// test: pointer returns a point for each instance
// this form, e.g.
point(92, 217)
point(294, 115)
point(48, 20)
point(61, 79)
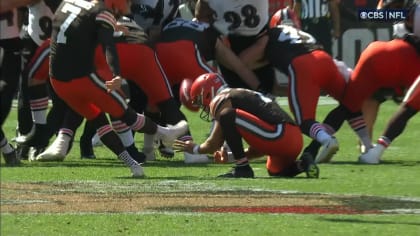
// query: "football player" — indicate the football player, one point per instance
point(34, 33)
point(405, 53)
point(139, 65)
point(151, 16)
point(370, 107)
point(240, 22)
point(242, 114)
point(10, 63)
point(37, 72)
point(78, 28)
point(310, 69)
point(196, 43)
point(369, 76)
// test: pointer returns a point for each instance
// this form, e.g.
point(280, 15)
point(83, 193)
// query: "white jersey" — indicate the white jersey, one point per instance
point(39, 22)
point(9, 27)
point(149, 13)
point(240, 17)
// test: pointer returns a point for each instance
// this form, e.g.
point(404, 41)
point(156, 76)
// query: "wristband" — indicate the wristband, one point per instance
point(195, 149)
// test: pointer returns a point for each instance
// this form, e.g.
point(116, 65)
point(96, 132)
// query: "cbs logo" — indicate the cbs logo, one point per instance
point(363, 15)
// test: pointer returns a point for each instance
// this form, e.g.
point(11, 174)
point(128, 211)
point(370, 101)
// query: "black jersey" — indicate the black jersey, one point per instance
point(136, 34)
point(78, 27)
point(202, 34)
point(285, 43)
point(263, 106)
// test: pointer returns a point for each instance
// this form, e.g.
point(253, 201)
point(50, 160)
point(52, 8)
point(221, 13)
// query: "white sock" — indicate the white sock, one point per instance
point(124, 132)
point(126, 137)
point(322, 136)
point(39, 110)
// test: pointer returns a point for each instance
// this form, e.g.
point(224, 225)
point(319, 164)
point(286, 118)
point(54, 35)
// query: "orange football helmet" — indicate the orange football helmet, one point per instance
point(205, 88)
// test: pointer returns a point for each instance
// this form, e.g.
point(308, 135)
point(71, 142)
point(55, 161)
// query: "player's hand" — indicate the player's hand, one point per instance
point(183, 146)
point(114, 84)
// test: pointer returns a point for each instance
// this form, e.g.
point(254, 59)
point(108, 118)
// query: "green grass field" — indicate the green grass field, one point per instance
point(98, 197)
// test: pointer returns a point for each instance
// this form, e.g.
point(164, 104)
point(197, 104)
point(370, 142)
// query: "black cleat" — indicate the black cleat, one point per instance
point(309, 166)
point(166, 152)
point(135, 154)
point(11, 159)
point(239, 172)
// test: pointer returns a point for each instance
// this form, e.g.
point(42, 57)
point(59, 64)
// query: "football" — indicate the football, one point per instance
point(184, 95)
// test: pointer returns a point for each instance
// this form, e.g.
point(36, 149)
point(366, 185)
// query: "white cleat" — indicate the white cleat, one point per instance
point(372, 156)
point(195, 158)
point(57, 151)
point(137, 171)
point(327, 151)
point(172, 132)
point(34, 152)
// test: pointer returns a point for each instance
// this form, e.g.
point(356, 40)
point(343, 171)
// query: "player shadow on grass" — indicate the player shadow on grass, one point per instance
point(359, 221)
point(174, 164)
point(102, 162)
point(385, 162)
point(213, 178)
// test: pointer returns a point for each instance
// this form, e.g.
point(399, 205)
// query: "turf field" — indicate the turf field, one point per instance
point(98, 197)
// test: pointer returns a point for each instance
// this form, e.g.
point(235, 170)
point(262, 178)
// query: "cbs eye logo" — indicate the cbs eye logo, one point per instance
point(363, 15)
